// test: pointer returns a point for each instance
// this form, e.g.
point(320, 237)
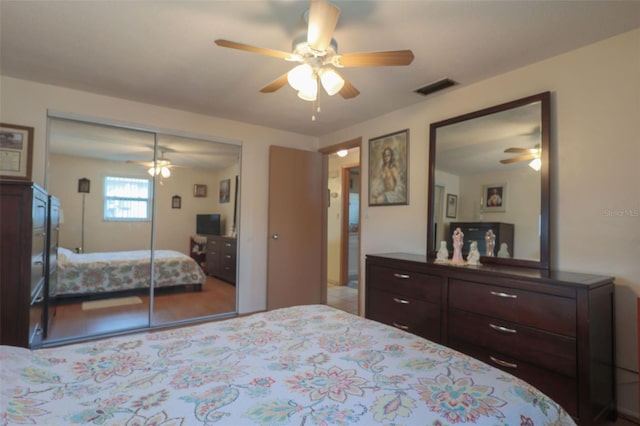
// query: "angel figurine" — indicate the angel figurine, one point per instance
point(474, 254)
point(458, 242)
point(504, 250)
point(490, 242)
point(443, 252)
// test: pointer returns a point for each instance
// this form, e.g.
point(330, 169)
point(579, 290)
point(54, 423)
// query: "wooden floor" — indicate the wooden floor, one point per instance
point(71, 321)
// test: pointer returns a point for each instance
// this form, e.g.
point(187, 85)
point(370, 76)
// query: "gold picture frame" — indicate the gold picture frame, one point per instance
point(389, 169)
point(16, 151)
point(199, 190)
point(494, 198)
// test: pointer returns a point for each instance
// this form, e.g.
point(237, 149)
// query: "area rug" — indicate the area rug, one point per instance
point(110, 303)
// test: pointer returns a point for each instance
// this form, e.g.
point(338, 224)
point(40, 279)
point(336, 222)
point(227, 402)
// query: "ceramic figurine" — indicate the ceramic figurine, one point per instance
point(458, 242)
point(474, 254)
point(504, 250)
point(490, 242)
point(443, 253)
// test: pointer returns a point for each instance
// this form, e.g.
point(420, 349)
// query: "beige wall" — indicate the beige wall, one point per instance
point(596, 179)
point(26, 103)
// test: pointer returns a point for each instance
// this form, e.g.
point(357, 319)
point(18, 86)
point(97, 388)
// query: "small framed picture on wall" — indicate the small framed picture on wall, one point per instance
point(225, 190)
point(494, 198)
point(452, 205)
point(199, 190)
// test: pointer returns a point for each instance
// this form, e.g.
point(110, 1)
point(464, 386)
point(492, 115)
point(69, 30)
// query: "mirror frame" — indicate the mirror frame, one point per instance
point(545, 132)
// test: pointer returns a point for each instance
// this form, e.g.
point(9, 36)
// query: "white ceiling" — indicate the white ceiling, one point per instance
point(162, 52)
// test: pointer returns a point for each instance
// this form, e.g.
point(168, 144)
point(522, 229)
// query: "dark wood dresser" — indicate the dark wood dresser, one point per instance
point(553, 329)
point(221, 257)
point(51, 261)
point(23, 254)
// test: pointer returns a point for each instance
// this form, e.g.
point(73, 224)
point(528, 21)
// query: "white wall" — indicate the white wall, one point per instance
point(26, 103)
point(595, 207)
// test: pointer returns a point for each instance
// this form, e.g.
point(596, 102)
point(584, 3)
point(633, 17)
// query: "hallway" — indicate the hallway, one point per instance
point(343, 297)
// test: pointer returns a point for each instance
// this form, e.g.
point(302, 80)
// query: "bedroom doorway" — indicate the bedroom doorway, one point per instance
point(343, 226)
point(134, 222)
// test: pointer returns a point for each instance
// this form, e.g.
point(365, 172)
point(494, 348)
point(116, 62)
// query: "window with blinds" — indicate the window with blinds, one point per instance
point(127, 199)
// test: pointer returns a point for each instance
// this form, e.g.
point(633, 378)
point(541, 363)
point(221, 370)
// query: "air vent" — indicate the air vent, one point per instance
point(435, 86)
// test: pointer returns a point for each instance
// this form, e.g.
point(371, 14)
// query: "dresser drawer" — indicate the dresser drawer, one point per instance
point(406, 283)
point(551, 313)
point(560, 388)
point(551, 351)
point(406, 313)
point(36, 319)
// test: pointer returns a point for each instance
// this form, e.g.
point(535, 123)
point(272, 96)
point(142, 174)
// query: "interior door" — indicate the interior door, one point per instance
point(296, 258)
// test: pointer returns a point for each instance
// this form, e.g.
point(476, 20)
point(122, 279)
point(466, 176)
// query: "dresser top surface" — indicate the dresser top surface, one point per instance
point(555, 276)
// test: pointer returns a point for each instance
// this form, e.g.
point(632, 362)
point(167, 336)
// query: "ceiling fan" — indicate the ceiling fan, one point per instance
point(526, 154)
point(161, 166)
point(317, 52)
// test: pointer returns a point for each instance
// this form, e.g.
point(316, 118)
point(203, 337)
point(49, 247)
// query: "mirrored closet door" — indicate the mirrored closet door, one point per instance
point(139, 207)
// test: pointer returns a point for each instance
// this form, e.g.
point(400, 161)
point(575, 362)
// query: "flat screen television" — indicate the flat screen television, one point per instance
point(208, 224)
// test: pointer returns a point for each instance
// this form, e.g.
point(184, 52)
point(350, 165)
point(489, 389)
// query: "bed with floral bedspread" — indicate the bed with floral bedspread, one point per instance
point(305, 365)
point(109, 272)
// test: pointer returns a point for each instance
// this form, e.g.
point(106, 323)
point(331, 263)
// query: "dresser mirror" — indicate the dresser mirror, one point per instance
point(489, 170)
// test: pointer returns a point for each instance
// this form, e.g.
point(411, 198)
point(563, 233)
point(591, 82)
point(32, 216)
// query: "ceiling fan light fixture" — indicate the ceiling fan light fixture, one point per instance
point(310, 91)
point(331, 80)
point(300, 76)
point(160, 170)
point(536, 164)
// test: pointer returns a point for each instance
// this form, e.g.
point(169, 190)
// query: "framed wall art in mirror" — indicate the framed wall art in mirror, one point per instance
point(199, 190)
point(497, 161)
point(452, 205)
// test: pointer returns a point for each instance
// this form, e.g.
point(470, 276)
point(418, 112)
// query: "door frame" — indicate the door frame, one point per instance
point(352, 143)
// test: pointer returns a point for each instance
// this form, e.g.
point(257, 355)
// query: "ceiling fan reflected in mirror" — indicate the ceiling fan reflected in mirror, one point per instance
point(317, 53)
point(160, 167)
point(526, 154)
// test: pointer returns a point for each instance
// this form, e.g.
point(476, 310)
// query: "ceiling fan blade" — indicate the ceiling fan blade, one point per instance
point(520, 158)
point(376, 59)
point(323, 18)
point(521, 150)
point(348, 91)
point(261, 50)
point(275, 84)
point(141, 163)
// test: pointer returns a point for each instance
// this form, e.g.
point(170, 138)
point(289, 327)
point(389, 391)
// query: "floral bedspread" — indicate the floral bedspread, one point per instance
point(305, 365)
point(90, 273)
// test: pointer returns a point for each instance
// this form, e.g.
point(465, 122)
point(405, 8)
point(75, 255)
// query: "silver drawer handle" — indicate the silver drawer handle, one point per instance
point(400, 326)
point(503, 329)
point(503, 363)
point(401, 301)
point(505, 295)
point(38, 300)
point(402, 276)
